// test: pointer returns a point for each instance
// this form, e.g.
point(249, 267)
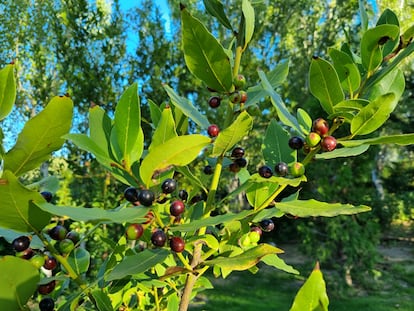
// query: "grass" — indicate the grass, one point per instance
point(270, 289)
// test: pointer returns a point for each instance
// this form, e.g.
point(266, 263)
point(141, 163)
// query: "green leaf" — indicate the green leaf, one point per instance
point(258, 193)
point(274, 145)
point(342, 152)
point(40, 136)
point(274, 261)
point(155, 112)
point(245, 260)
point(305, 121)
point(103, 302)
point(7, 90)
point(374, 115)
point(127, 121)
point(204, 55)
point(371, 44)
point(346, 69)
point(230, 136)
point(363, 15)
point(248, 14)
point(324, 84)
point(16, 211)
point(178, 151)
point(282, 111)
point(267, 214)
point(402, 140)
point(100, 126)
point(138, 263)
point(18, 282)
point(216, 9)
point(312, 295)
point(389, 17)
point(187, 108)
point(312, 208)
point(79, 259)
point(165, 129)
point(352, 105)
point(130, 214)
point(393, 82)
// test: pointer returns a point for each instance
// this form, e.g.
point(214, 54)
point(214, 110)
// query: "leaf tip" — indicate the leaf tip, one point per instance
point(317, 266)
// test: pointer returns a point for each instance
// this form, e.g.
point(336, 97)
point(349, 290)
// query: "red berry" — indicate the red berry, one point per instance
point(320, 126)
point(158, 238)
point(177, 244)
point(214, 101)
point(328, 143)
point(213, 130)
point(45, 289)
point(134, 231)
point(50, 263)
point(177, 208)
point(243, 97)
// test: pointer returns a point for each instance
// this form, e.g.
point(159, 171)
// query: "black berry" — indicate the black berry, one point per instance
point(267, 225)
point(21, 243)
point(208, 170)
point(265, 171)
point(131, 194)
point(177, 244)
point(146, 197)
point(58, 233)
point(177, 208)
point(234, 167)
point(296, 142)
point(237, 152)
point(158, 238)
point(214, 101)
point(168, 186)
point(74, 236)
point(241, 162)
point(281, 169)
point(46, 304)
point(50, 263)
point(47, 196)
point(183, 194)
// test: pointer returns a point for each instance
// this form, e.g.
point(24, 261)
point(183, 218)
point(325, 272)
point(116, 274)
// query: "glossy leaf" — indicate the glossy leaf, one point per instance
point(373, 116)
point(371, 44)
point(40, 136)
point(402, 140)
point(394, 82)
point(18, 282)
point(204, 55)
point(79, 259)
point(100, 129)
point(187, 108)
point(258, 193)
point(103, 302)
point(267, 214)
point(138, 263)
point(363, 15)
point(230, 136)
point(351, 105)
point(275, 261)
point(248, 14)
point(305, 121)
point(282, 112)
point(16, 211)
point(275, 147)
point(389, 17)
point(342, 152)
point(245, 260)
point(95, 214)
point(312, 295)
point(7, 90)
point(312, 208)
point(155, 112)
point(216, 9)
point(346, 69)
point(178, 151)
point(127, 121)
point(324, 84)
point(165, 129)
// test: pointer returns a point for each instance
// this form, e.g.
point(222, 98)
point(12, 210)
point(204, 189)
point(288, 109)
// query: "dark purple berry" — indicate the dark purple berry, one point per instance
point(47, 196)
point(21, 243)
point(241, 162)
point(46, 304)
point(168, 186)
point(58, 233)
point(237, 153)
point(146, 197)
point(131, 194)
point(213, 130)
point(234, 167)
point(265, 171)
point(45, 289)
point(177, 244)
point(281, 169)
point(183, 194)
point(26, 254)
point(158, 238)
point(214, 101)
point(267, 225)
point(74, 236)
point(296, 142)
point(177, 208)
point(50, 263)
point(208, 170)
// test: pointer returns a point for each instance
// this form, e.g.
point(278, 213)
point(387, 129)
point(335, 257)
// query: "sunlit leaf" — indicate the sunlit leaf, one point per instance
point(103, 302)
point(248, 14)
point(165, 129)
point(346, 69)
point(342, 152)
point(275, 261)
point(402, 140)
point(7, 90)
point(100, 129)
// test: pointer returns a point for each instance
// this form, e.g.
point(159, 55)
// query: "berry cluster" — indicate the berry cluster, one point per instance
point(239, 161)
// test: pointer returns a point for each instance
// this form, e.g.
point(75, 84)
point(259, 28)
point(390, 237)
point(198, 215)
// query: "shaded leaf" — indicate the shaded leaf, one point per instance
point(305, 121)
point(393, 82)
point(79, 259)
point(216, 9)
point(7, 90)
point(103, 302)
point(100, 129)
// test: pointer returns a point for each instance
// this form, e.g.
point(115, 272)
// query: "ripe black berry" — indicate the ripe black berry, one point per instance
point(281, 169)
point(158, 238)
point(177, 244)
point(214, 101)
point(296, 142)
point(50, 263)
point(47, 196)
point(131, 194)
point(168, 186)
point(26, 254)
point(45, 289)
point(208, 170)
point(267, 225)
point(213, 130)
point(177, 208)
point(58, 233)
point(146, 197)
point(265, 171)
point(47, 304)
point(74, 236)
point(183, 194)
point(241, 162)
point(237, 152)
point(21, 243)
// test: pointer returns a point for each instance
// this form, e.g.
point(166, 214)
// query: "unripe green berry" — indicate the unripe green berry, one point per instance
point(239, 82)
point(297, 169)
point(313, 139)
